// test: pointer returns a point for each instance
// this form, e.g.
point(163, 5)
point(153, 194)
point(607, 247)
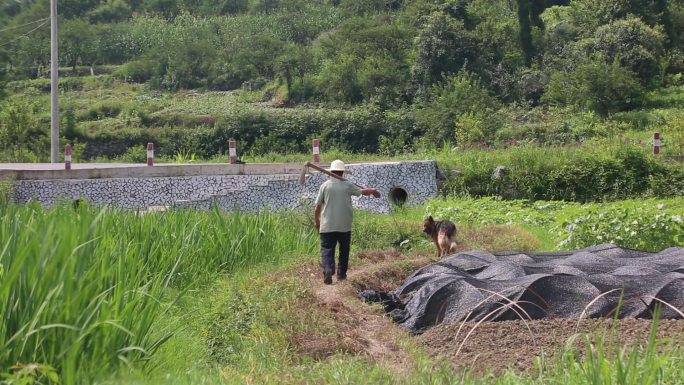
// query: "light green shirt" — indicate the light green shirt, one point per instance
point(334, 196)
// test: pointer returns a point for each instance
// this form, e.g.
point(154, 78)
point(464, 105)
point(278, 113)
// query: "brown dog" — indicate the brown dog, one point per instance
point(443, 233)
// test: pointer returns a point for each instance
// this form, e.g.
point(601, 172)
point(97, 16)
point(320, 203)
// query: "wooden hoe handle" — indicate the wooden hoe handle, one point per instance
point(326, 172)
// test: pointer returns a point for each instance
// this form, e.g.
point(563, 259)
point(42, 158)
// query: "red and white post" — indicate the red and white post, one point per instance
point(316, 151)
point(656, 143)
point(150, 154)
point(67, 157)
point(232, 151)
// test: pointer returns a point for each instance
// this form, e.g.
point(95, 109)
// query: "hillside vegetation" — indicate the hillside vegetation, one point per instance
point(366, 76)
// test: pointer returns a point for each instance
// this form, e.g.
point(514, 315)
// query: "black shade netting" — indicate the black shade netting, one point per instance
point(600, 281)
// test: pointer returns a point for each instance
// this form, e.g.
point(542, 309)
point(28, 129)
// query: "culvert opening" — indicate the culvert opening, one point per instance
point(398, 197)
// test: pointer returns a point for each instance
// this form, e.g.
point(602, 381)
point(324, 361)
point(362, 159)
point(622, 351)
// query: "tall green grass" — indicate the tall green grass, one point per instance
point(604, 363)
point(85, 289)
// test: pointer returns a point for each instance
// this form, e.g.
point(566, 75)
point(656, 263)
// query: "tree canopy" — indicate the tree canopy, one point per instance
point(600, 56)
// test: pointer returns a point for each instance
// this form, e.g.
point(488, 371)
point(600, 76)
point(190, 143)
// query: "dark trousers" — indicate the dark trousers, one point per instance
point(328, 243)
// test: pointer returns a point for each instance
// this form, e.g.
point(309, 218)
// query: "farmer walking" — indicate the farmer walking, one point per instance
point(333, 217)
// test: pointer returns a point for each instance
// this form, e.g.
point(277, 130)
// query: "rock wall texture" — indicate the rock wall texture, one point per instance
point(415, 181)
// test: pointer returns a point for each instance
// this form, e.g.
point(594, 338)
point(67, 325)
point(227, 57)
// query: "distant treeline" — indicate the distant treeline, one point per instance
point(453, 62)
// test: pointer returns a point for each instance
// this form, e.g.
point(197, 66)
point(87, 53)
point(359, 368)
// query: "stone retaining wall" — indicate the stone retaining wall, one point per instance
point(415, 181)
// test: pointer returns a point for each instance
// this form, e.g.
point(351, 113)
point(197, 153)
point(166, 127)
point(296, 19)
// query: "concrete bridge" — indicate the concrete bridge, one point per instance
point(248, 187)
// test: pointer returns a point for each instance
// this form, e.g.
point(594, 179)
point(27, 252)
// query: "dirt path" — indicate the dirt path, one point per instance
point(365, 327)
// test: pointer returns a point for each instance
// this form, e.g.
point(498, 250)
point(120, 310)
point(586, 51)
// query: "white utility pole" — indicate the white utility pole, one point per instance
point(54, 85)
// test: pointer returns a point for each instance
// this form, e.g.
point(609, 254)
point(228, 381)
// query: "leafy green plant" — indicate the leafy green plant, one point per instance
point(102, 110)
point(633, 44)
point(650, 224)
point(459, 98)
point(184, 157)
point(138, 71)
point(30, 374)
point(137, 154)
point(597, 86)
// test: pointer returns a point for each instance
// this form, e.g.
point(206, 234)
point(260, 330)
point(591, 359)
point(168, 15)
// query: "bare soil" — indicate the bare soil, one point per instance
point(485, 348)
point(493, 347)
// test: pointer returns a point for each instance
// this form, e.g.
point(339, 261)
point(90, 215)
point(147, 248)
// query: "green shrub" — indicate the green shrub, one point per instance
point(548, 126)
point(23, 135)
point(135, 154)
point(71, 83)
point(355, 130)
point(583, 180)
point(17, 155)
point(668, 182)
point(301, 91)
point(581, 175)
point(639, 120)
point(172, 141)
point(68, 125)
point(477, 127)
point(177, 119)
point(633, 44)
point(113, 143)
point(460, 98)
point(137, 71)
point(101, 110)
point(622, 175)
point(672, 133)
point(598, 86)
point(40, 84)
point(98, 82)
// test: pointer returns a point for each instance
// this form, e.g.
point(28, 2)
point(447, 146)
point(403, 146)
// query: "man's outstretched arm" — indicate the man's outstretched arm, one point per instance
point(371, 191)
